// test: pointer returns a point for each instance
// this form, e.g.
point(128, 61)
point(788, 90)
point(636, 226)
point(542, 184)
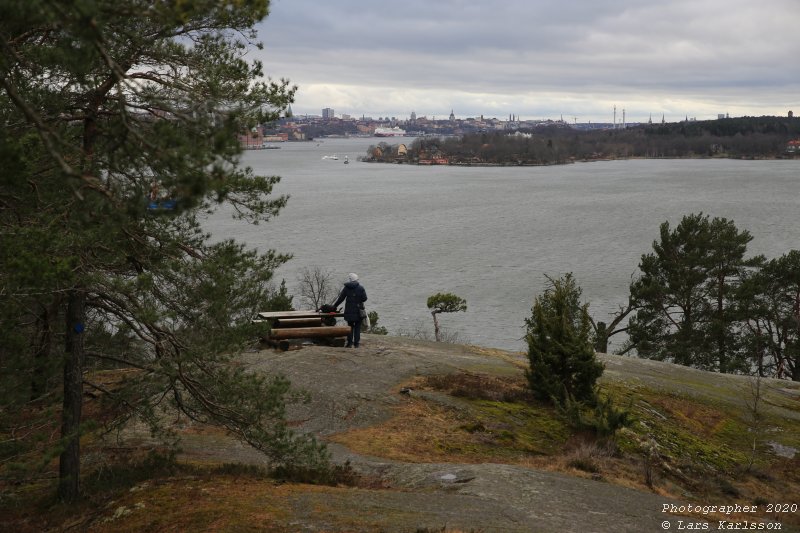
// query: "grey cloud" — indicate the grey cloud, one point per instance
point(705, 49)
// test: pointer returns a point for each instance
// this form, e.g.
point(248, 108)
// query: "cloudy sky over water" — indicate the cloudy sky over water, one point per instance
point(537, 59)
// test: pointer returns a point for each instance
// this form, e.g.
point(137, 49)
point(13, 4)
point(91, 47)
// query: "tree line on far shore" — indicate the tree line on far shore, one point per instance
point(747, 137)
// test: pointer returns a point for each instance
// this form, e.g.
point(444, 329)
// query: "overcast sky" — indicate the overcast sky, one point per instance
point(537, 59)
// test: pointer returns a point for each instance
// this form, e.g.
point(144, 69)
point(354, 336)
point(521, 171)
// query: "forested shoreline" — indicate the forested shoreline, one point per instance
point(739, 138)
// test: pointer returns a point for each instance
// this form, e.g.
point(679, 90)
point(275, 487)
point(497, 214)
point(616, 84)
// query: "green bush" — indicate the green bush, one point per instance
point(374, 328)
point(563, 368)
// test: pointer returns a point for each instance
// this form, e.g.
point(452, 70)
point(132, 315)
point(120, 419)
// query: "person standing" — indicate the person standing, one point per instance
point(353, 295)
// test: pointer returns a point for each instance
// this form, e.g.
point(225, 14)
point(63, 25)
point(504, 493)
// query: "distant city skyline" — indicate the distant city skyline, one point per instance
point(537, 59)
point(329, 113)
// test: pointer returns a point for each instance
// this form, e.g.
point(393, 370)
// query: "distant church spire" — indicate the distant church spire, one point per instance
point(452, 115)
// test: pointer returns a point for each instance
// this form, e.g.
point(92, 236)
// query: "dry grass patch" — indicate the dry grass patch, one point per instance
point(517, 359)
point(480, 386)
point(419, 432)
point(490, 421)
point(168, 496)
point(235, 504)
point(219, 503)
point(698, 417)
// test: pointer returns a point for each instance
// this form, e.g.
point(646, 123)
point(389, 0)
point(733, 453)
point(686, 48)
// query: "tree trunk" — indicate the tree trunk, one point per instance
point(69, 461)
point(601, 341)
point(69, 468)
point(795, 359)
point(721, 340)
point(436, 327)
point(41, 352)
point(43, 347)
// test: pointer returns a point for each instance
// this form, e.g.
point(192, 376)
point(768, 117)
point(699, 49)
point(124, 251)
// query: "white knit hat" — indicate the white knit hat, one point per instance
point(352, 277)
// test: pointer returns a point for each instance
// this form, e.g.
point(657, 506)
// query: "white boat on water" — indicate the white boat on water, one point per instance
point(334, 157)
point(346, 161)
point(389, 132)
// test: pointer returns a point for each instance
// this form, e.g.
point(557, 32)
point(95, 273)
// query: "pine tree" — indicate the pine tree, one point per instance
point(563, 367)
point(120, 123)
point(444, 302)
point(769, 304)
point(685, 296)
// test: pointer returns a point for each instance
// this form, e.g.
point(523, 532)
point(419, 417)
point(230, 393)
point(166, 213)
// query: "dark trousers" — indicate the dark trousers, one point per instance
point(354, 337)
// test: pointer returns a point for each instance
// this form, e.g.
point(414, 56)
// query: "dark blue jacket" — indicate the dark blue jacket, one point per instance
point(353, 295)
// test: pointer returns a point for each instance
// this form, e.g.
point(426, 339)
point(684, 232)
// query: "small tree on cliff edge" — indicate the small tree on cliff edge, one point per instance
point(444, 302)
point(563, 367)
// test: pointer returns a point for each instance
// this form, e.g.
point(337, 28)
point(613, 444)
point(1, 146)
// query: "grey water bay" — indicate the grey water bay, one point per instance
point(491, 234)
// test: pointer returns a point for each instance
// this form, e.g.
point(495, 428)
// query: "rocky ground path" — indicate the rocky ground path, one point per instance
point(357, 388)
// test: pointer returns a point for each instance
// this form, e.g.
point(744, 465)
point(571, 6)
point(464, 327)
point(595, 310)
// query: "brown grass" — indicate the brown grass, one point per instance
point(479, 386)
point(185, 498)
point(700, 418)
point(419, 432)
point(219, 503)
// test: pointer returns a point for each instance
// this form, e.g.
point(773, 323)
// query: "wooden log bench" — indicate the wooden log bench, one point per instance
point(297, 323)
point(294, 325)
point(309, 333)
